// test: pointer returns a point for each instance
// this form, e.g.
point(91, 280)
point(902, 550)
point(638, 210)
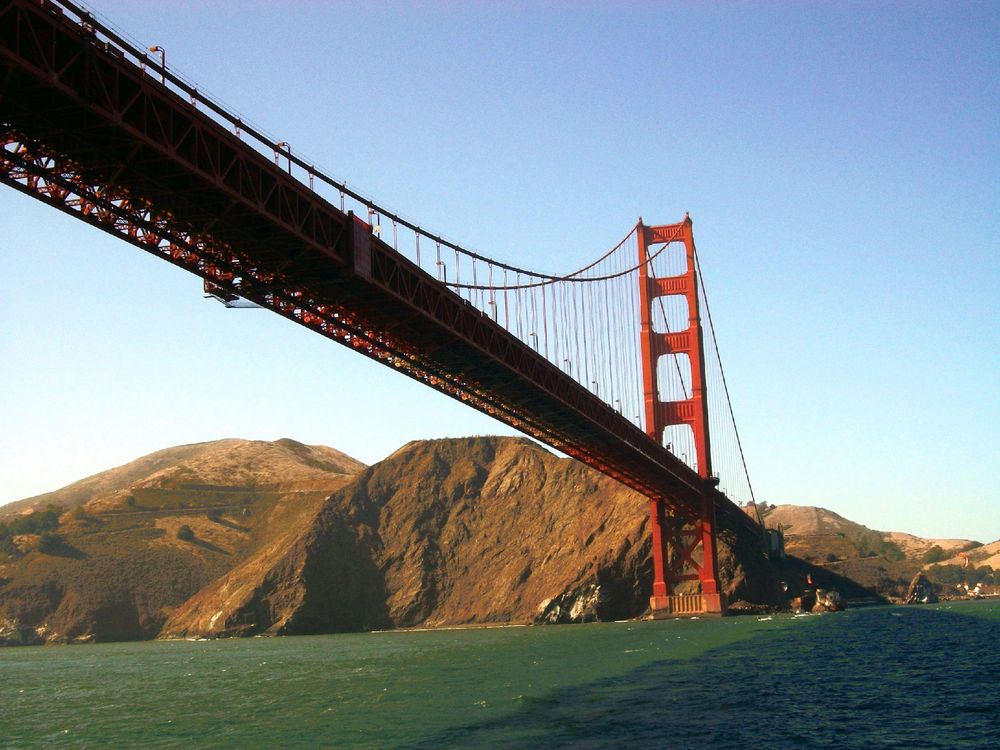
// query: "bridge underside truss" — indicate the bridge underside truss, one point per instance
point(28, 168)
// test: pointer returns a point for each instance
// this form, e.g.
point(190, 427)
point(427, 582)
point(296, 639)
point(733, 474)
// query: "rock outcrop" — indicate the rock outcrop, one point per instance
point(921, 591)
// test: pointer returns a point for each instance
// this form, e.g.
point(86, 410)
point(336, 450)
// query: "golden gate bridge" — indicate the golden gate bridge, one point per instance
point(612, 363)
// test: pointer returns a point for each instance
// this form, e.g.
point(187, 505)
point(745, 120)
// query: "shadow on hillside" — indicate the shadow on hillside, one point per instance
point(67, 550)
point(231, 525)
point(795, 571)
point(814, 683)
point(211, 547)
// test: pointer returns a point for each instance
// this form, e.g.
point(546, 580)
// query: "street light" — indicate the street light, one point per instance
point(277, 148)
point(163, 62)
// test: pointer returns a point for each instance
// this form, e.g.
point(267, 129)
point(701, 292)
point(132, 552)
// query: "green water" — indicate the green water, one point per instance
point(879, 677)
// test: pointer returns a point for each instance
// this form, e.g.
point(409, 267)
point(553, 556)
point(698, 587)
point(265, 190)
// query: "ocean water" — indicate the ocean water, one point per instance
point(883, 677)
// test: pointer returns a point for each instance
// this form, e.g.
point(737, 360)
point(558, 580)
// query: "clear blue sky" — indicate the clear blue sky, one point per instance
point(840, 162)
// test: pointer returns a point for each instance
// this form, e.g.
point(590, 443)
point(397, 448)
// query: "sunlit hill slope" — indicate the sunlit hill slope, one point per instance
point(243, 537)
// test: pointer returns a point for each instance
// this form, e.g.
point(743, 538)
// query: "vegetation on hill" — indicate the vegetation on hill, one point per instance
point(39, 522)
point(955, 575)
point(32, 523)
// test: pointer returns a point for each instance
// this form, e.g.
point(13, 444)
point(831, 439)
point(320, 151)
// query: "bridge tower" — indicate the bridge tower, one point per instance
point(685, 536)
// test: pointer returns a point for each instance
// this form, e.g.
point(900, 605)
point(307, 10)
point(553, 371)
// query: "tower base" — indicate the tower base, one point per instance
point(687, 605)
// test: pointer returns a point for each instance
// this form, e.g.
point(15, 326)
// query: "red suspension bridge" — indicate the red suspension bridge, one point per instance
point(609, 364)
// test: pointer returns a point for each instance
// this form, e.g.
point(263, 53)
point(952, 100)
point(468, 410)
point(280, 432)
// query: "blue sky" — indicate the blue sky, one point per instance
point(840, 162)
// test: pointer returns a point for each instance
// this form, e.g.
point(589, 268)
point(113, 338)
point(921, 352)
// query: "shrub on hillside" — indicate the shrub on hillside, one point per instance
point(185, 533)
point(953, 575)
point(35, 523)
point(49, 542)
point(935, 554)
point(214, 515)
point(892, 551)
point(6, 542)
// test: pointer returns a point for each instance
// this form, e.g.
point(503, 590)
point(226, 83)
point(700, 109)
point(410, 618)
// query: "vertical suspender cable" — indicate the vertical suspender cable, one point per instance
point(725, 386)
point(506, 304)
point(545, 324)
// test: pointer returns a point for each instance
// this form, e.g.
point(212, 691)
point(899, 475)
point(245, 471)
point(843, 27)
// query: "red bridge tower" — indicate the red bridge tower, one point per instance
point(685, 536)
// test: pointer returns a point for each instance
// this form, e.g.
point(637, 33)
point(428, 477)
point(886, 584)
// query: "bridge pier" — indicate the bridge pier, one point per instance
point(665, 602)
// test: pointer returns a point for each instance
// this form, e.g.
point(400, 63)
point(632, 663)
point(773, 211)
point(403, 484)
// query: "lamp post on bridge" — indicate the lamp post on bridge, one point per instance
point(163, 62)
point(288, 150)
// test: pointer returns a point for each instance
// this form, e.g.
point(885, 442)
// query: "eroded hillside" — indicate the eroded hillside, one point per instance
point(454, 532)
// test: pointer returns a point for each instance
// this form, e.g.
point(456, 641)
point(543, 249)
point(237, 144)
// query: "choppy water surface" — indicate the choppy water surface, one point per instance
point(926, 677)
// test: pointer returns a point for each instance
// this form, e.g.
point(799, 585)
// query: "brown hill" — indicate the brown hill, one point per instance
point(988, 554)
point(449, 532)
point(279, 540)
point(885, 562)
point(118, 566)
point(229, 465)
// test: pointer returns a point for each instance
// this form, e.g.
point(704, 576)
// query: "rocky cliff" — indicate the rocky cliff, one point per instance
point(454, 532)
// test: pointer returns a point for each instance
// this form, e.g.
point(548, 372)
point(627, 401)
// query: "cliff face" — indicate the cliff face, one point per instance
point(458, 531)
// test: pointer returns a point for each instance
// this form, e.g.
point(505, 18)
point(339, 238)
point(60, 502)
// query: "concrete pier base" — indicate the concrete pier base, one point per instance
point(687, 605)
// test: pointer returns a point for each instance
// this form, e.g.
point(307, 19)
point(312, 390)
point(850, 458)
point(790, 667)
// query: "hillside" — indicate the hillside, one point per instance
point(117, 566)
point(987, 554)
point(231, 464)
point(883, 561)
point(239, 537)
point(442, 532)
point(449, 532)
